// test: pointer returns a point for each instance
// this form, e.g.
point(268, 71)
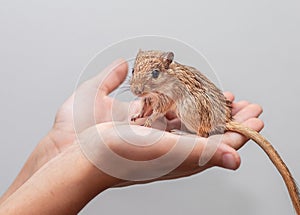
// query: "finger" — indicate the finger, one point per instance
point(236, 140)
point(111, 77)
point(228, 158)
point(249, 111)
point(173, 124)
point(237, 106)
point(171, 115)
point(160, 152)
point(214, 153)
point(224, 157)
point(229, 96)
point(115, 77)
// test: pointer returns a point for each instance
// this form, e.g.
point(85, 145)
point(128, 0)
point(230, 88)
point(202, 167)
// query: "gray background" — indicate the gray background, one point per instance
point(253, 46)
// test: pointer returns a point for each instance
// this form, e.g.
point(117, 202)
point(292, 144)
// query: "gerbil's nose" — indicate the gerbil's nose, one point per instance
point(138, 90)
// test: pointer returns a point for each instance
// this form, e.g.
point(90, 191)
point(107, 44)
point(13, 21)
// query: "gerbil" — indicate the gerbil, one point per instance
point(166, 85)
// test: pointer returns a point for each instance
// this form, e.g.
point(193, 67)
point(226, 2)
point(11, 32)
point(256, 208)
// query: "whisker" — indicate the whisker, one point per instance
point(123, 90)
point(124, 86)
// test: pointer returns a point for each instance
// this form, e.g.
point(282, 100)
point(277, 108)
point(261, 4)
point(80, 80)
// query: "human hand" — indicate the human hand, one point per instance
point(69, 181)
point(87, 106)
point(57, 146)
point(63, 132)
point(136, 143)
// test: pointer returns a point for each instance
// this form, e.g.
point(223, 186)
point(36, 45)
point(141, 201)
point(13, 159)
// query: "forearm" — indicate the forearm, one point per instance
point(58, 189)
point(43, 152)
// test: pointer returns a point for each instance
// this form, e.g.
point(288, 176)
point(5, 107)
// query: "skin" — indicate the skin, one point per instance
point(46, 183)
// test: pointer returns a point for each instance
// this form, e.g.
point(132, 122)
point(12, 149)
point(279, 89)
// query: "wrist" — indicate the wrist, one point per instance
point(64, 185)
point(42, 153)
point(89, 173)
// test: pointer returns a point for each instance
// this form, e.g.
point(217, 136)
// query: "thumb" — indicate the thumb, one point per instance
point(111, 77)
point(229, 158)
point(210, 152)
point(215, 153)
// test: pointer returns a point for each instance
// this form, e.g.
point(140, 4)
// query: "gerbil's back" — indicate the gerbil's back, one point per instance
point(211, 109)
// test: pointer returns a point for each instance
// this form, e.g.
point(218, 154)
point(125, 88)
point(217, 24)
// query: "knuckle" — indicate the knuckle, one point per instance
point(258, 108)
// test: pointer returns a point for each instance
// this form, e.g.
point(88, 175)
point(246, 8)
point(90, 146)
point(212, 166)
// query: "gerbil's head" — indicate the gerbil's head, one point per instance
point(149, 73)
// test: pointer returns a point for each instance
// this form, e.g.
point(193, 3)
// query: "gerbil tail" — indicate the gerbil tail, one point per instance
point(274, 157)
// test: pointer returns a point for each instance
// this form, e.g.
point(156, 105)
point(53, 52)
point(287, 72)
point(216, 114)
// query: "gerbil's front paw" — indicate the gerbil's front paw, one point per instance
point(148, 123)
point(135, 117)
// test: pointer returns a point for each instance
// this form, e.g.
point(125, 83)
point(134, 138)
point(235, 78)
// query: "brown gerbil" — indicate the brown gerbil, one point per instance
point(166, 85)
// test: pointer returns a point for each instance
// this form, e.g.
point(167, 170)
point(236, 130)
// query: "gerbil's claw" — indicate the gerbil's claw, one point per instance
point(135, 117)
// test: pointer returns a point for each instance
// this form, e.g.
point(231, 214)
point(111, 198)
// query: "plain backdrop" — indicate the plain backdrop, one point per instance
point(253, 46)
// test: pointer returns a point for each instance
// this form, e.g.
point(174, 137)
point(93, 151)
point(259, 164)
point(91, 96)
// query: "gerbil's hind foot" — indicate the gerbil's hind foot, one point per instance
point(203, 131)
point(206, 132)
point(152, 118)
point(203, 134)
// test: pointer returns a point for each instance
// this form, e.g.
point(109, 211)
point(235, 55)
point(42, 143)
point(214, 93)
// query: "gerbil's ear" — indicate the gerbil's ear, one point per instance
point(167, 58)
point(138, 54)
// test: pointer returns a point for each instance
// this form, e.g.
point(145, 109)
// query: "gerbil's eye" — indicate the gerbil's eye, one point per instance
point(132, 71)
point(155, 73)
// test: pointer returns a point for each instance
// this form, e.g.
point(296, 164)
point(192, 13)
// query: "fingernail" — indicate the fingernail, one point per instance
point(229, 161)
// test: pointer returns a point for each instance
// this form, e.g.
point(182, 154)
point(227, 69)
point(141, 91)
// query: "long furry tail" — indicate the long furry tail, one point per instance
point(274, 157)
